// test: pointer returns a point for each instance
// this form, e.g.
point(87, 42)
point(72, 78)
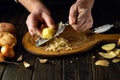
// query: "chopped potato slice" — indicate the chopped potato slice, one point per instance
point(108, 55)
point(118, 55)
point(43, 60)
point(102, 63)
point(109, 46)
point(20, 58)
point(26, 64)
point(116, 60)
point(117, 52)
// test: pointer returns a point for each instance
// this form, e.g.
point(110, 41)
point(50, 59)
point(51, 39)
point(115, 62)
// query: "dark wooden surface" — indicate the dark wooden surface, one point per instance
point(74, 67)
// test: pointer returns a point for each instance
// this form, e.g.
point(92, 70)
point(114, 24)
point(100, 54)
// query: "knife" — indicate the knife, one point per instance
point(61, 27)
point(103, 28)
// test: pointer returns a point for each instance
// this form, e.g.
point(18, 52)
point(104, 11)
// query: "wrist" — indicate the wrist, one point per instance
point(86, 4)
point(31, 5)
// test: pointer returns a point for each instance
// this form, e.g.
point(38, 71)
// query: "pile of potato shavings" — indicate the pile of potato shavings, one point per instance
point(58, 44)
point(111, 53)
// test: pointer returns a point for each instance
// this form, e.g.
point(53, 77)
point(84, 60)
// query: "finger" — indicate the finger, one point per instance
point(32, 25)
point(79, 25)
point(81, 12)
point(87, 25)
point(48, 19)
point(73, 15)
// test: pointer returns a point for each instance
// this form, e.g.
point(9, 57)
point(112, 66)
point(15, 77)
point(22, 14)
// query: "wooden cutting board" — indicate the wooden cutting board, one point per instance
point(80, 42)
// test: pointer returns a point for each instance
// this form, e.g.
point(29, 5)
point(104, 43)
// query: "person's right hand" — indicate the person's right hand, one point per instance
point(80, 17)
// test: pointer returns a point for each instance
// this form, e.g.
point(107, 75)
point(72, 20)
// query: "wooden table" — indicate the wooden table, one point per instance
point(75, 67)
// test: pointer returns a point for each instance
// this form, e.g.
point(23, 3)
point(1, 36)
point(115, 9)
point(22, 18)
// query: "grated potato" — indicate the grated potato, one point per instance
point(58, 44)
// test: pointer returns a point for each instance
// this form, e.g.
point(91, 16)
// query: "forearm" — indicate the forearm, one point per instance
point(31, 5)
point(86, 3)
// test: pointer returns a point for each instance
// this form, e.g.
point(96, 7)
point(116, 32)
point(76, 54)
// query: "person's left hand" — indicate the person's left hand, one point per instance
point(80, 17)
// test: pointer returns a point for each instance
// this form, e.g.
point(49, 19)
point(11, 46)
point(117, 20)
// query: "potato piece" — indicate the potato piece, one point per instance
point(7, 27)
point(108, 55)
point(116, 60)
point(102, 63)
point(7, 38)
point(26, 64)
point(109, 46)
point(20, 58)
point(118, 55)
point(43, 60)
point(48, 33)
point(117, 52)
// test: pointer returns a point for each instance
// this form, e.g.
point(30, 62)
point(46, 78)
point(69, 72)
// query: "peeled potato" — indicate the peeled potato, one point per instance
point(48, 33)
point(7, 38)
point(109, 46)
point(7, 27)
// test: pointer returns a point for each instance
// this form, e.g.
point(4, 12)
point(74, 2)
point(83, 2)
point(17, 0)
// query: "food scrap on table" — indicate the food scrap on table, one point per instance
point(111, 54)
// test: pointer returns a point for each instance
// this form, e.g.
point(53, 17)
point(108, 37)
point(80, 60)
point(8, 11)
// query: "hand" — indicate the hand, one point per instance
point(36, 16)
point(80, 17)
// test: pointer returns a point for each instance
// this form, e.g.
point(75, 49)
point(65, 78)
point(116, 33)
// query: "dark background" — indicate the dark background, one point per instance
point(73, 67)
point(104, 11)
